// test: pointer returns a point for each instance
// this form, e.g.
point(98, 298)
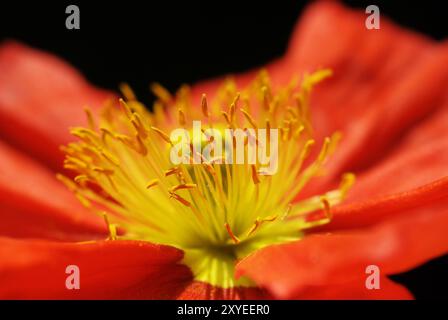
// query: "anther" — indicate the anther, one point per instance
point(227, 118)
point(183, 186)
point(126, 108)
point(181, 115)
point(152, 183)
point(171, 171)
point(180, 199)
point(138, 125)
point(204, 105)
point(163, 135)
point(102, 170)
point(324, 151)
point(348, 179)
point(161, 93)
point(287, 211)
point(307, 149)
point(231, 234)
point(249, 118)
point(326, 206)
point(105, 133)
point(109, 157)
point(141, 147)
point(90, 120)
point(266, 98)
point(258, 222)
point(81, 178)
point(127, 92)
point(255, 177)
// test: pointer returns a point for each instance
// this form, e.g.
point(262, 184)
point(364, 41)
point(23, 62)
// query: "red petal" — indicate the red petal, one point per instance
point(34, 204)
point(373, 211)
point(203, 291)
point(371, 136)
point(419, 160)
point(409, 178)
point(321, 260)
point(357, 290)
point(40, 98)
point(108, 270)
point(375, 95)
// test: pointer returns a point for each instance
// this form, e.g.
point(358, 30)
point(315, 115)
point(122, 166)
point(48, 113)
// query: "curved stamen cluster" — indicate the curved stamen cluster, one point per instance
point(215, 211)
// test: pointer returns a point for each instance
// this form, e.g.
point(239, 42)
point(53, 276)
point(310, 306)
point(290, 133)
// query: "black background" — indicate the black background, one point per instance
point(175, 42)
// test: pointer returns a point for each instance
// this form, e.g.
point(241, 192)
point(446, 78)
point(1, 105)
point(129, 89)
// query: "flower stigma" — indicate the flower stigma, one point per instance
point(217, 212)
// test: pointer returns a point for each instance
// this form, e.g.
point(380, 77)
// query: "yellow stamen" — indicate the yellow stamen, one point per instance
point(215, 211)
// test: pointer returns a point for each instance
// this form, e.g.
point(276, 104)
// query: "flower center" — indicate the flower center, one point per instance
point(216, 199)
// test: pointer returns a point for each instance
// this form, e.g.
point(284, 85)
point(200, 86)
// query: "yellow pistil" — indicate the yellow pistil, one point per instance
point(217, 212)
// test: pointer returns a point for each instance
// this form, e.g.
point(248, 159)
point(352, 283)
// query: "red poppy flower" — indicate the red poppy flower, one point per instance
point(201, 232)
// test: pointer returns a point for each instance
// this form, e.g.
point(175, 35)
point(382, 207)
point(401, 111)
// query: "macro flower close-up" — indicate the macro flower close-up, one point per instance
point(313, 176)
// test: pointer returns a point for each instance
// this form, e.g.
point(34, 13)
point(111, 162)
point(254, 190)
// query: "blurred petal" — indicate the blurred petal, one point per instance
point(108, 270)
point(420, 159)
point(319, 260)
point(414, 175)
point(40, 98)
point(356, 290)
point(35, 205)
point(384, 82)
